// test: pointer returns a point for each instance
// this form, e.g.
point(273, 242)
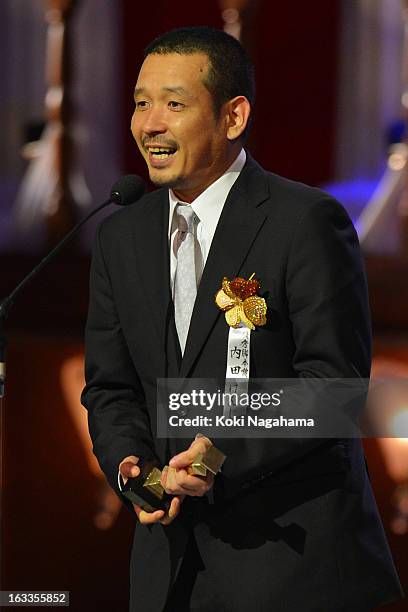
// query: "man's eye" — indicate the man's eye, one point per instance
point(175, 105)
point(141, 104)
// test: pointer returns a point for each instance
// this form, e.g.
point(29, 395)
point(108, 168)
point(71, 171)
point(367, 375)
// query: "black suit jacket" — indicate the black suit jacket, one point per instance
point(294, 520)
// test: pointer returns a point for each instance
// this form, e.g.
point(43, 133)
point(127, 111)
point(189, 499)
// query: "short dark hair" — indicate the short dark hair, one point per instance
point(231, 72)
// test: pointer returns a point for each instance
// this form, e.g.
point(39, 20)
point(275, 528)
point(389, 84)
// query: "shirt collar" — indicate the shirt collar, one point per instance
point(209, 204)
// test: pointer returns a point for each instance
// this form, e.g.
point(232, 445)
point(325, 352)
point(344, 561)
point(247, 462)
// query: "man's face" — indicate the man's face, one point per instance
point(185, 146)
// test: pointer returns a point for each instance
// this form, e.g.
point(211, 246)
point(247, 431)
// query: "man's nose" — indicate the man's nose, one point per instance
point(154, 121)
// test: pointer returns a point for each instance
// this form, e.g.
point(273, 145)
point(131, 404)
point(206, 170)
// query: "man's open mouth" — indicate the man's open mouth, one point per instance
point(160, 152)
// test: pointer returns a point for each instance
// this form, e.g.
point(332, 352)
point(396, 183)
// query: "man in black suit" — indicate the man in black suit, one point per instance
point(289, 524)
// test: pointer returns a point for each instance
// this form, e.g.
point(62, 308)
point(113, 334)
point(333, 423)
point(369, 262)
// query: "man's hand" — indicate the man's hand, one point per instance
point(128, 469)
point(176, 480)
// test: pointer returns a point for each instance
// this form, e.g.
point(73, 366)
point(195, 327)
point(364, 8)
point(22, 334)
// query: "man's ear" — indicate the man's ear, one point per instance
point(238, 111)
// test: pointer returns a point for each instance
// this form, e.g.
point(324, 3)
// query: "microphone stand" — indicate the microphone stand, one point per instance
point(125, 191)
point(6, 303)
point(5, 306)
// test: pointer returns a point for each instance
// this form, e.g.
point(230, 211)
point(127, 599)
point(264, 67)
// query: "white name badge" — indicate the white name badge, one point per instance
point(238, 364)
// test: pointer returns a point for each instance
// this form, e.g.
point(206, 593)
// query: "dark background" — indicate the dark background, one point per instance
point(50, 495)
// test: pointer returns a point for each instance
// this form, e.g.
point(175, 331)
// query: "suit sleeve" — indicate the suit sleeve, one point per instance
point(327, 296)
point(327, 302)
point(118, 421)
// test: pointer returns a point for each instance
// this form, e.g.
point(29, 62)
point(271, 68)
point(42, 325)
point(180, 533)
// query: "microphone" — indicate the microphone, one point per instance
point(127, 190)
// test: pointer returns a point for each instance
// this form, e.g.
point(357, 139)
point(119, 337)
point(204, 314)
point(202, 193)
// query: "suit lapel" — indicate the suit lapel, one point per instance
point(239, 224)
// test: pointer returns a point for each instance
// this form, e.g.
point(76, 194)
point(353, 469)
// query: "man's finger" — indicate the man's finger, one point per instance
point(183, 459)
point(175, 482)
point(147, 518)
point(129, 470)
point(127, 467)
point(169, 481)
point(163, 479)
point(192, 482)
point(178, 482)
point(187, 457)
point(173, 510)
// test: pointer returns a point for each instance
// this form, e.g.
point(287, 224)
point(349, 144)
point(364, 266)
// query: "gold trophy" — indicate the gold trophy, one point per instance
point(146, 489)
point(210, 461)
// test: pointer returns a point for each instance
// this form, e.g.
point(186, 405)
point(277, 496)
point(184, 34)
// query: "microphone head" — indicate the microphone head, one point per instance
point(128, 189)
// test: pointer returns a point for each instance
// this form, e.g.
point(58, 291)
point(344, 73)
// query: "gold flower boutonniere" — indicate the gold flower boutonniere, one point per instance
point(239, 301)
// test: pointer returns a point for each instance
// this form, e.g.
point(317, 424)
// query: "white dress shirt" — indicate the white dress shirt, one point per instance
point(208, 208)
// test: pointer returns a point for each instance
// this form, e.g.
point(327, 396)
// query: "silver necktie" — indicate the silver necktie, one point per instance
point(185, 282)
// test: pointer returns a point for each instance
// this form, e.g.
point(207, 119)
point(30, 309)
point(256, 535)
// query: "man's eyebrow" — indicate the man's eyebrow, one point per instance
point(176, 89)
